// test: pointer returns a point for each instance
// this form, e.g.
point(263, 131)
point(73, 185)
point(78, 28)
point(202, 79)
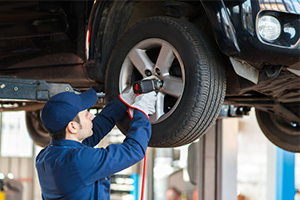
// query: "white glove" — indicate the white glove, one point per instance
point(145, 103)
point(128, 96)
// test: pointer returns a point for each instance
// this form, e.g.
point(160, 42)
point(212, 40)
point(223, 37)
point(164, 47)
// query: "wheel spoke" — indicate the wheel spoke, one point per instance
point(165, 58)
point(141, 61)
point(172, 86)
point(159, 109)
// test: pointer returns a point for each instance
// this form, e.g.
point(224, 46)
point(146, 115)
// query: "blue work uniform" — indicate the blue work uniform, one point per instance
point(72, 170)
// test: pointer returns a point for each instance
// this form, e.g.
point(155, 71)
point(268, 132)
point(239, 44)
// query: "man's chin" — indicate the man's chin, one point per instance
point(91, 133)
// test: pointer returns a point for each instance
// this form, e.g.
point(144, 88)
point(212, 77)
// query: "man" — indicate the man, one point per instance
point(69, 167)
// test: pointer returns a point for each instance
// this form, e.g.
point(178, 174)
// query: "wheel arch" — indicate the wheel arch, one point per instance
point(110, 19)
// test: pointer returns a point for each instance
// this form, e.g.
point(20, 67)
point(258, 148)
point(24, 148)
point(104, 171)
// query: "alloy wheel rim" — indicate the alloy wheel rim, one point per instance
point(159, 58)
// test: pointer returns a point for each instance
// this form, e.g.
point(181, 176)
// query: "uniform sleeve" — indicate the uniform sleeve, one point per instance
point(97, 163)
point(105, 121)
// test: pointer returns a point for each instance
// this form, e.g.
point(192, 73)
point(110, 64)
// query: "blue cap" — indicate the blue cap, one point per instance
point(63, 107)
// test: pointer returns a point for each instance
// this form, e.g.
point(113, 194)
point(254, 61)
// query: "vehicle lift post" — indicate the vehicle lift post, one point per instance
point(215, 161)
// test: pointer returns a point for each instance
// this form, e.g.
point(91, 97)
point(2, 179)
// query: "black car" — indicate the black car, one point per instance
point(207, 54)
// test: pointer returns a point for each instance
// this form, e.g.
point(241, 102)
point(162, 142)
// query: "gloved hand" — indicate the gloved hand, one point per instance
point(145, 103)
point(128, 96)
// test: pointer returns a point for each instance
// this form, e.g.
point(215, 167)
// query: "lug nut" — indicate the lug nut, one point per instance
point(157, 71)
point(148, 72)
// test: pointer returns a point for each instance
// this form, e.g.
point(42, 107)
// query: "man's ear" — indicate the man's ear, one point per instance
point(72, 127)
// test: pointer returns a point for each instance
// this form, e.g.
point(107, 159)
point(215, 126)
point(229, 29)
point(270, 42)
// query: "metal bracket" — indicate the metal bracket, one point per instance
point(244, 70)
point(272, 71)
point(233, 111)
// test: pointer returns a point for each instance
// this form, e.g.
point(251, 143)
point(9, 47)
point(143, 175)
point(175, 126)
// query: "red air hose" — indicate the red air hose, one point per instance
point(144, 175)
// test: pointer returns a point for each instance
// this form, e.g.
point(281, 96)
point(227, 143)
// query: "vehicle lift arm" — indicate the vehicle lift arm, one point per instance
point(32, 89)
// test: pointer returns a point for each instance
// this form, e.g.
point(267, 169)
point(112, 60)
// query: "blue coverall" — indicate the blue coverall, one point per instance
point(72, 170)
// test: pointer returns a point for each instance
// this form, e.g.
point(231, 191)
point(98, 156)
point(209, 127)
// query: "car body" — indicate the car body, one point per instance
point(80, 43)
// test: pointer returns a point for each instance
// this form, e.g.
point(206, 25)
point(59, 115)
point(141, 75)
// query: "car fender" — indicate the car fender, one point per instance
point(106, 24)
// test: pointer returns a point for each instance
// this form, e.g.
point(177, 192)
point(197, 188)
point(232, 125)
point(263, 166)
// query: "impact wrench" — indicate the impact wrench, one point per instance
point(148, 85)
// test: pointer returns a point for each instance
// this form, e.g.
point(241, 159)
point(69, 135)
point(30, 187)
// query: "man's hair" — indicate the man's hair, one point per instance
point(61, 134)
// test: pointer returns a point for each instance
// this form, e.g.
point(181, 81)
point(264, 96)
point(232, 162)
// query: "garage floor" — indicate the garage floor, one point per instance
point(247, 160)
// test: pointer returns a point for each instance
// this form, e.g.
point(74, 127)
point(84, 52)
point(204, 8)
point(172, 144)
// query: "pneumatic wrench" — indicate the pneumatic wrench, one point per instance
point(148, 85)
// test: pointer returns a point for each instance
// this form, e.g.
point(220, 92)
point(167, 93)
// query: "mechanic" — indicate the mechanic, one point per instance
point(69, 167)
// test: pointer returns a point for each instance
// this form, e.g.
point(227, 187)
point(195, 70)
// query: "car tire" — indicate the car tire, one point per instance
point(35, 128)
point(193, 78)
point(279, 131)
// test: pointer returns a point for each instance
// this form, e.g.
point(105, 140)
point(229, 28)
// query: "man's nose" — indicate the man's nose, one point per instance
point(91, 116)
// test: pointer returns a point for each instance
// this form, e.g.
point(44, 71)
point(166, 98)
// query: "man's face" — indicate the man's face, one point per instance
point(86, 125)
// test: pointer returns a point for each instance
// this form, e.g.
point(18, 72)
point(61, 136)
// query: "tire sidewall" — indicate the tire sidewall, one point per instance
point(38, 134)
point(272, 130)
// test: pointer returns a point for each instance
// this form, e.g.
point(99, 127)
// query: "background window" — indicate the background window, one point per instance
point(15, 140)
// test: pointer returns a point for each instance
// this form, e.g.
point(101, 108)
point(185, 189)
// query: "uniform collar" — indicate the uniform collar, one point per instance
point(65, 143)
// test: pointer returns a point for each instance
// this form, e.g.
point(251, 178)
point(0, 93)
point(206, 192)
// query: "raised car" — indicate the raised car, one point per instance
point(206, 53)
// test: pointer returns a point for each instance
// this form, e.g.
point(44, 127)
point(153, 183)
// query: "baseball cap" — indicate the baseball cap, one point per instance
point(61, 108)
